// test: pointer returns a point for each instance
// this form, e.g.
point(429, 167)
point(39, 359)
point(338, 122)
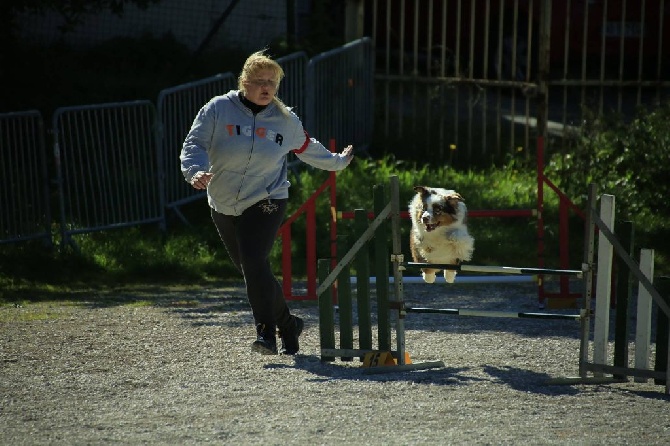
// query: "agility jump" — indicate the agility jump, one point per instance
point(495, 269)
point(378, 229)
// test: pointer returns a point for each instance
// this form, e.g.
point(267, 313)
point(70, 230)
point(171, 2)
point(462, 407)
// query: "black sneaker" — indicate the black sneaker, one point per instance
point(266, 342)
point(289, 336)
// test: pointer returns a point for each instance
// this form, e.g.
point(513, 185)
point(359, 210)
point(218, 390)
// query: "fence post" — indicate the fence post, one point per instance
point(397, 260)
point(603, 284)
point(589, 241)
point(326, 312)
point(643, 328)
point(344, 302)
point(363, 282)
point(382, 272)
point(624, 291)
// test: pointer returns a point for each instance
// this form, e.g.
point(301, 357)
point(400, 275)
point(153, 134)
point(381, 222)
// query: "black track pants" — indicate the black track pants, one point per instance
point(248, 238)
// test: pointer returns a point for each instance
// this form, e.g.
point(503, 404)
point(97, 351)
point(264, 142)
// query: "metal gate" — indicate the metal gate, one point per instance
point(25, 209)
point(107, 167)
point(475, 81)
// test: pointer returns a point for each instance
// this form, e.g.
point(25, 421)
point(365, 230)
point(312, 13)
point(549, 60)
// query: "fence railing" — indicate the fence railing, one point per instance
point(117, 164)
point(107, 167)
point(293, 86)
point(340, 94)
point(474, 81)
point(24, 182)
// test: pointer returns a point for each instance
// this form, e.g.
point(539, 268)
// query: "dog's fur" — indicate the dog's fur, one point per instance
point(439, 231)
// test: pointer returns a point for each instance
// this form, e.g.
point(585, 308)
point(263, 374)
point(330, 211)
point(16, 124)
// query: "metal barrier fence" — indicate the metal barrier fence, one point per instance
point(108, 170)
point(25, 211)
point(117, 164)
point(340, 94)
point(454, 77)
point(292, 87)
point(177, 107)
point(475, 81)
point(292, 90)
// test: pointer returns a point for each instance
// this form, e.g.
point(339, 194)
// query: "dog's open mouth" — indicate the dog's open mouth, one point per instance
point(431, 226)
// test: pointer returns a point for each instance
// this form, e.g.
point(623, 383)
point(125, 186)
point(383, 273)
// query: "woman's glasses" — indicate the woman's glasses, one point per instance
point(263, 83)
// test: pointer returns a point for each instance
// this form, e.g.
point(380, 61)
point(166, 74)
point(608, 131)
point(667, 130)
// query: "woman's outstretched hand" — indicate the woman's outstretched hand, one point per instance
point(348, 153)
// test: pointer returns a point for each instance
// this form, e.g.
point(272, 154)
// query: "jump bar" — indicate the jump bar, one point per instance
point(496, 269)
point(472, 213)
point(486, 313)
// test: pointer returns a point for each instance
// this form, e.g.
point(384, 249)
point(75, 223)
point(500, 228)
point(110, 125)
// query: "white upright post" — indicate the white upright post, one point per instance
point(643, 315)
point(603, 285)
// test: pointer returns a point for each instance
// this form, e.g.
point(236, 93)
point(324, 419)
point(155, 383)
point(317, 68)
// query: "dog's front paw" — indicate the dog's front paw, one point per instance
point(449, 276)
point(428, 277)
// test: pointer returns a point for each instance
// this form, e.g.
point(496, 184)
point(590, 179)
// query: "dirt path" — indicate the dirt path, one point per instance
point(174, 367)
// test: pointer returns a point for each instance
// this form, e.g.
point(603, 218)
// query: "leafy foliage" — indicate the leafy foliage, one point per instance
point(72, 11)
point(627, 160)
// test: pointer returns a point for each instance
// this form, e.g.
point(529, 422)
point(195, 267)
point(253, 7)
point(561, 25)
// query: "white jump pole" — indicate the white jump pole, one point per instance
point(643, 327)
point(603, 285)
point(462, 279)
point(496, 269)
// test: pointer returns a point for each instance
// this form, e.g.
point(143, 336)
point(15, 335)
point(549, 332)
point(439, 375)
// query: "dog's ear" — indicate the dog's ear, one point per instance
point(457, 196)
point(423, 190)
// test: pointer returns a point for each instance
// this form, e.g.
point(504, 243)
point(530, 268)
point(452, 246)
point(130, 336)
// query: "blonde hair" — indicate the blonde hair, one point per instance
point(260, 61)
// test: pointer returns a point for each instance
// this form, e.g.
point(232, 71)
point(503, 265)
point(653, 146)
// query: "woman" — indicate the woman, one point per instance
point(236, 149)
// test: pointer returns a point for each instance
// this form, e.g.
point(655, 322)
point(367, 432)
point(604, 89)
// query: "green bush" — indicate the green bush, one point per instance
point(626, 159)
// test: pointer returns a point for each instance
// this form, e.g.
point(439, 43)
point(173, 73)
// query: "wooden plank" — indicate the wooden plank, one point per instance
point(643, 316)
point(624, 293)
point(345, 303)
point(627, 371)
point(326, 312)
point(382, 272)
point(362, 262)
point(603, 284)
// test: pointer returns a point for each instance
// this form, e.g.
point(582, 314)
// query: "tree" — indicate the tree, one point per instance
point(72, 11)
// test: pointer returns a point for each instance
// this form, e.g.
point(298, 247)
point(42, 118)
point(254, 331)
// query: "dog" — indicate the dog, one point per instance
point(439, 232)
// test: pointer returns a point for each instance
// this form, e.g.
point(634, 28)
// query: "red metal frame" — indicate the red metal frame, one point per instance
point(565, 205)
point(309, 209)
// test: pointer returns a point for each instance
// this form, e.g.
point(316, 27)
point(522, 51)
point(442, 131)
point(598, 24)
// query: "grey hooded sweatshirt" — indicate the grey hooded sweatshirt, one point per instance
point(247, 152)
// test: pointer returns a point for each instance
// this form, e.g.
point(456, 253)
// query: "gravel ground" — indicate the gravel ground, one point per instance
point(172, 366)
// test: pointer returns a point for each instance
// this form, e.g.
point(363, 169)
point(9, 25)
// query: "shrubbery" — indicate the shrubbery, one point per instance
point(630, 160)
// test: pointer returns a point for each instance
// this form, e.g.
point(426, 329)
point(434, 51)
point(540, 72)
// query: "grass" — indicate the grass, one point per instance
point(188, 256)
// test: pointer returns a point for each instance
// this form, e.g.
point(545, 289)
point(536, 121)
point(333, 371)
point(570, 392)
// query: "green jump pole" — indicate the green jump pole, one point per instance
point(345, 302)
point(363, 282)
point(326, 311)
point(624, 292)
point(382, 271)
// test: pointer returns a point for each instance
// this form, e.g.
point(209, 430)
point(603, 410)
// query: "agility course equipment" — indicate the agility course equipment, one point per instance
point(386, 307)
point(497, 269)
point(564, 298)
point(608, 244)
